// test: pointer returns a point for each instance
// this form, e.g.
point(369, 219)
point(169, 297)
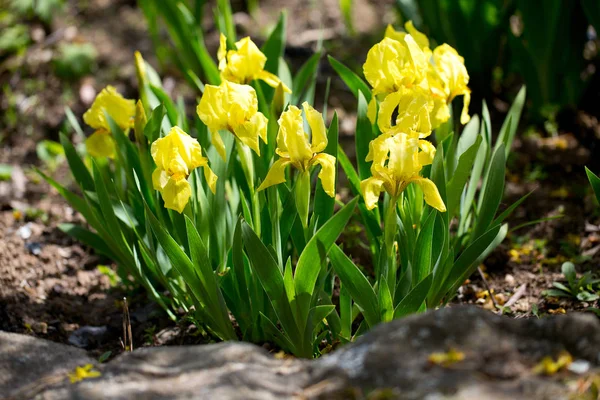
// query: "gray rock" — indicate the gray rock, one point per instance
point(391, 361)
point(29, 365)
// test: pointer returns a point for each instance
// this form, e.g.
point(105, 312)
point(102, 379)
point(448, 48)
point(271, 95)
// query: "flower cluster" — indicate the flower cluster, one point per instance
point(231, 106)
point(413, 87)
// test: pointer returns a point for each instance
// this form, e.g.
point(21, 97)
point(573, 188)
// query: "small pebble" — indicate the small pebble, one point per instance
point(579, 367)
point(34, 248)
point(25, 231)
point(509, 279)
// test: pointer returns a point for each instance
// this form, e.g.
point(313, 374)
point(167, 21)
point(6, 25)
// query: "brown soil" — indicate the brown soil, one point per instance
point(50, 286)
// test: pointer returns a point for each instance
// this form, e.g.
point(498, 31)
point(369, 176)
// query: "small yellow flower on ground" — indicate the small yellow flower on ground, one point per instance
point(176, 155)
point(234, 108)
point(397, 161)
point(452, 356)
point(121, 110)
point(85, 372)
point(245, 64)
point(550, 367)
point(293, 147)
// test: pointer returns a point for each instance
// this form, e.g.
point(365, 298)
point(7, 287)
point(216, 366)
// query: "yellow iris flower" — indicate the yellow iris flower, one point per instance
point(176, 155)
point(451, 69)
point(120, 109)
point(245, 64)
point(397, 161)
point(414, 108)
point(392, 64)
point(232, 107)
point(293, 147)
point(446, 74)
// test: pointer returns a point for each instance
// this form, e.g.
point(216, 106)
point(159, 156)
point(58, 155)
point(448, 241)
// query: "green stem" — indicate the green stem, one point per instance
point(390, 230)
point(247, 161)
point(302, 197)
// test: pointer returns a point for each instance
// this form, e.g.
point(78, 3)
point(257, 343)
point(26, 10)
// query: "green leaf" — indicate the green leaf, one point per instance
point(88, 238)
point(153, 126)
point(493, 190)
point(466, 262)
point(414, 299)
point(353, 81)
point(305, 77)
point(568, 270)
point(386, 303)
point(314, 257)
point(356, 284)
point(78, 168)
point(463, 170)
point(594, 181)
point(275, 45)
point(511, 123)
point(271, 279)
point(423, 262)
point(364, 136)
point(167, 102)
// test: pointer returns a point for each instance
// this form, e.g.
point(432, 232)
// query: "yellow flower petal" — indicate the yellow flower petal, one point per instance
point(212, 109)
point(211, 179)
point(232, 107)
point(250, 131)
point(372, 110)
point(222, 52)
point(100, 144)
point(159, 179)
point(413, 108)
point(403, 157)
point(382, 68)
point(241, 103)
point(177, 153)
point(276, 174)
point(176, 193)
point(420, 38)
point(427, 152)
point(450, 68)
point(272, 80)
point(217, 141)
point(292, 141)
point(317, 127)
point(327, 173)
point(244, 64)
point(371, 189)
point(431, 193)
point(82, 373)
point(109, 101)
point(464, 116)
point(391, 33)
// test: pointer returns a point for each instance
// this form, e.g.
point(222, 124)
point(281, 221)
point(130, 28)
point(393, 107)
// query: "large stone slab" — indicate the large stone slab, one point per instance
point(391, 361)
point(29, 365)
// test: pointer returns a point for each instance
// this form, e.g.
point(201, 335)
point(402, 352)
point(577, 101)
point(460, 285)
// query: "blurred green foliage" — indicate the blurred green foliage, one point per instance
point(13, 36)
point(543, 42)
point(74, 60)
point(42, 9)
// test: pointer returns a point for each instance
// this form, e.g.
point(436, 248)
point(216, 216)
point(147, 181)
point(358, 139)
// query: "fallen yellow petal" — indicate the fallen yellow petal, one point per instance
point(549, 367)
point(447, 359)
point(83, 372)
